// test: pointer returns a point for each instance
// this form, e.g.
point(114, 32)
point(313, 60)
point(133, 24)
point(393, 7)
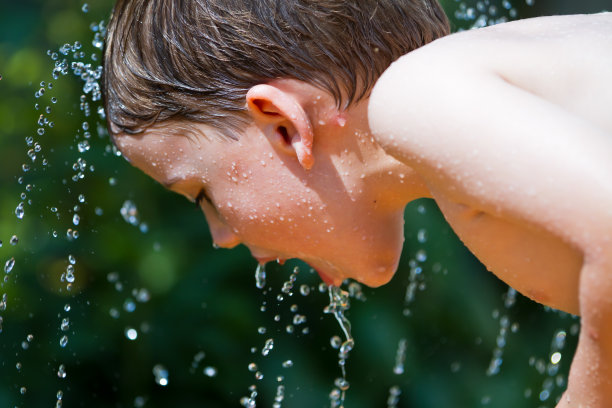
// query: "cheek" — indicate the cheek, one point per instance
point(268, 213)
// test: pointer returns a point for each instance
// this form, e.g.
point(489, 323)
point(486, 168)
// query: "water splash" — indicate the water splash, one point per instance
point(338, 305)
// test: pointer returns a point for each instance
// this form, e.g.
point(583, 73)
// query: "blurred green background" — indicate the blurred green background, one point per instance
point(195, 311)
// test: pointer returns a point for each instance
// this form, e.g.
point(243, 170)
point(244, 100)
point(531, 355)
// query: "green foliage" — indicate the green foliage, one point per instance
point(188, 298)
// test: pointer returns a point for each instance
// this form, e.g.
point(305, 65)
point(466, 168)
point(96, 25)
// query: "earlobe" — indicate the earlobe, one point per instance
point(284, 121)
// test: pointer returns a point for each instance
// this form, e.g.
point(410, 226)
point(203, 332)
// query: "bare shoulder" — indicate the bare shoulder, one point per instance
point(563, 59)
point(511, 120)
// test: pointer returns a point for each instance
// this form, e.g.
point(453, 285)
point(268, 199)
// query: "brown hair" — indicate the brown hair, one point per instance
point(196, 59)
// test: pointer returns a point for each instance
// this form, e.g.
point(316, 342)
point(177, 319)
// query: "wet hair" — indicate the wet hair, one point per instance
point(195, 60)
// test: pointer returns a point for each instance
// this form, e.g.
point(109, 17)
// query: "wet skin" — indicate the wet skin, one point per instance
point(511, 131)
point(304, 180)
point(507, 128)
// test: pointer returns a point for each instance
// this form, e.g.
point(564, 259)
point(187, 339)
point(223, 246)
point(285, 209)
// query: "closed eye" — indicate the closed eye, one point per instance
point(202, 196)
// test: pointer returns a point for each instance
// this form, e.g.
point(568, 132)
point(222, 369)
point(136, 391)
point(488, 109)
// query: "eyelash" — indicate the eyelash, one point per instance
point(201, 196)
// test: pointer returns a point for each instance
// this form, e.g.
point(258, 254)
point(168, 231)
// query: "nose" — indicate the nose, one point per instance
point(224, 238)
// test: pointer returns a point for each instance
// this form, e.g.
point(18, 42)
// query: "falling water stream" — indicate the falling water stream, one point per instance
point(50, 241)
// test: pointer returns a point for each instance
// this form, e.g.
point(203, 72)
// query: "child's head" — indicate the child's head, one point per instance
point(229, 102)
point(195, 60)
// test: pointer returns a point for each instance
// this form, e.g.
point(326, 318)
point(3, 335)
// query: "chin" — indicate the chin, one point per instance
point(379, 276)
point(364, 273)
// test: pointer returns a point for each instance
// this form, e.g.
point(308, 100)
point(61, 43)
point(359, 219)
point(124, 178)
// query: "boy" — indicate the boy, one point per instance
point(265, 113)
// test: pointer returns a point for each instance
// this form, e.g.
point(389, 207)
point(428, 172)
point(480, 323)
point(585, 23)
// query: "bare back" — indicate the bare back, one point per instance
point(511, 129)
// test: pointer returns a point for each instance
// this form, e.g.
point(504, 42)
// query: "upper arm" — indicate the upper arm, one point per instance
point(483, 141)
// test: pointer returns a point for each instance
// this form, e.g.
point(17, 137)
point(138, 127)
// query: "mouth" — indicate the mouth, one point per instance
point(326, 279)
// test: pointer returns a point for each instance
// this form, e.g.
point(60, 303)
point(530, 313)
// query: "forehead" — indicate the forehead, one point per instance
point(179, 151)
point(164, 152)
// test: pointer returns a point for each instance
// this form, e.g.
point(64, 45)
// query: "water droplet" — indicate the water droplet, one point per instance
point(268, 346)
point(287, 364)
point(8, 266)
point(341, 383)
point(72, 234)
point(142, 295)
point(76, 219)
point(70, 274)
point(131, 333)
point(61, 371)
point(14, 240)
point(114, 313)
point(23, 390)
point(83, 146)
point(304, 290)
point(210, 371)
point(161, 375)
point(421, 255)
point(129, 305)
point(422, 235)
point(299, 319)
point(400, 357)
point(252, 367)
point(63, 341)
point(66, 307)
point(65, 325)
point(129, 212)
point(260, 276)
point(19, 211)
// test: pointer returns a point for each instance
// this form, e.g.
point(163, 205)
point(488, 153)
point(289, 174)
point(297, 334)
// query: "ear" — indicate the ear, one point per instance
point(283, 120)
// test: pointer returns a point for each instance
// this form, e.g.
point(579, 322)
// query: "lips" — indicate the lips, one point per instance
point(325, 278)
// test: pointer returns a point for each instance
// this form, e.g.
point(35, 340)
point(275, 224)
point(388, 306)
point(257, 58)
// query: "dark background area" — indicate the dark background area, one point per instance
point(195, 308)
